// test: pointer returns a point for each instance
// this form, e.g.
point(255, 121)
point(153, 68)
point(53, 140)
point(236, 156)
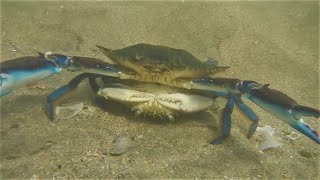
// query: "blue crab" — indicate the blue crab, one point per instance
point(187, 81)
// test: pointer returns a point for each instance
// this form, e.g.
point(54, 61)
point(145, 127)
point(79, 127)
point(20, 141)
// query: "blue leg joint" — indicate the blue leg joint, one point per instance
point(226, 124)
point(251, 115)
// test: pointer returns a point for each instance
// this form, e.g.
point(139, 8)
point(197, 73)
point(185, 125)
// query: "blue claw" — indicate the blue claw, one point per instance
point(285, 108)
point(19, 72)
point(273, 101)
point(26, 70)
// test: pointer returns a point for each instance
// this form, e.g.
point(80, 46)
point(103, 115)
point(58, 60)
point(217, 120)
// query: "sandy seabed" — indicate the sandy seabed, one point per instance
point(268, 42)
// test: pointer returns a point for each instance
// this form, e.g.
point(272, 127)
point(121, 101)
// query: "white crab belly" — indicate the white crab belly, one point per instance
point(159, 103)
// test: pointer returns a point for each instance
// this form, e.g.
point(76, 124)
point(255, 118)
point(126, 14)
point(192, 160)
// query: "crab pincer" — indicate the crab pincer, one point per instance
point(283, 107)
point(275, 102)
point(22, 71)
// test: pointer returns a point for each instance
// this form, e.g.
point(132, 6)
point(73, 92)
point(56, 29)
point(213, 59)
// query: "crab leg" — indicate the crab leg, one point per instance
point(59, 94)
point(226, 125)
point(92, 67)
point(275, 102)
point(227, 111)
point(22, 71)
point(251, 115)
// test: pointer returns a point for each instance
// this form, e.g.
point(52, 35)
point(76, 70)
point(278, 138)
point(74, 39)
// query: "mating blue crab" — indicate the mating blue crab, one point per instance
point(186, 80)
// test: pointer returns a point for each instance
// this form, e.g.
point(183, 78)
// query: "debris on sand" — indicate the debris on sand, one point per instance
point(69, 111)
point(37, 85)
point(121, 144)
point(268, 135)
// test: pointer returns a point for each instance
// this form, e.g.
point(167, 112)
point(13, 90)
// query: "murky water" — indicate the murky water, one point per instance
point(268, 42)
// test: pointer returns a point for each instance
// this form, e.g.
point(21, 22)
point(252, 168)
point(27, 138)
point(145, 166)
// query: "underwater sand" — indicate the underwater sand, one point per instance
point(268, 42)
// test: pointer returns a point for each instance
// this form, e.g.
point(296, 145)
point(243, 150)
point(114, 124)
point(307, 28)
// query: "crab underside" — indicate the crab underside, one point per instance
point(156, 100)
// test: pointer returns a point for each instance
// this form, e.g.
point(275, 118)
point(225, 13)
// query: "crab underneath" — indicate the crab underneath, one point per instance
point(156, 100)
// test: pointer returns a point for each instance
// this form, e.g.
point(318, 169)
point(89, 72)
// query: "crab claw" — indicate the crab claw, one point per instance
point(22, 71)
point(275, 102)
point(281, 106)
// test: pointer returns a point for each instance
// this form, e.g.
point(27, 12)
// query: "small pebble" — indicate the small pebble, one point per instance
point(121, 145)
point(140, 136)
point(293, 136)
point(13, 126)
point(302, 52)
point(307, 154)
